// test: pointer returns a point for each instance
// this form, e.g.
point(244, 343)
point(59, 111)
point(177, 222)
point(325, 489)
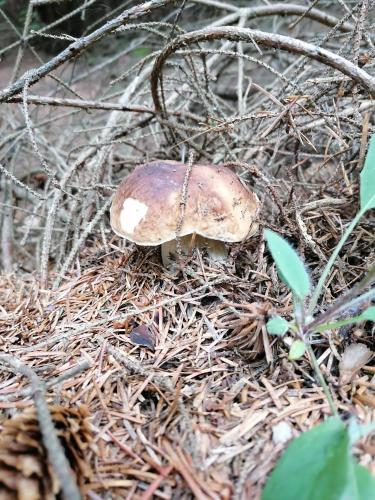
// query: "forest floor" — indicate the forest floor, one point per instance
point(181, 391)
point(186, 392)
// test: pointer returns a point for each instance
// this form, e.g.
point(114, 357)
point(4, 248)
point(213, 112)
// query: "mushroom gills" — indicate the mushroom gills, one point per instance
point(216, 249)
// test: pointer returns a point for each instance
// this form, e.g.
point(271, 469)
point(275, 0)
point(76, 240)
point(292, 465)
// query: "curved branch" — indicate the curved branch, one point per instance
point(279, 9)
point(262, 38)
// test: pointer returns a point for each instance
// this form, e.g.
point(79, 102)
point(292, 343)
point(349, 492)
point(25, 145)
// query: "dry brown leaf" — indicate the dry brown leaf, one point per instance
point(142, 335)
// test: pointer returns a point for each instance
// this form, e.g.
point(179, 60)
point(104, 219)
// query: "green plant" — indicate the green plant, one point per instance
point(319, 465)
point(319, 462)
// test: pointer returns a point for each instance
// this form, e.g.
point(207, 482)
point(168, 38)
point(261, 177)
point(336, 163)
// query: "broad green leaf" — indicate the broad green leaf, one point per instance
point(290, 267)
point(367, 178)
point(277, 326)
point(297, 350)
point(360, 484)
point(365, 482)
point(315, 466)
point(369, 314)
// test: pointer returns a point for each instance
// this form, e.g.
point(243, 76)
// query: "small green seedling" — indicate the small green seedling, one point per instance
point(297, 350)
point(278, 326)
point(292, 272)
point(319, 463)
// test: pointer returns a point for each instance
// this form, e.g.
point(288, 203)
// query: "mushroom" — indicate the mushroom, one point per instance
point(219, 208)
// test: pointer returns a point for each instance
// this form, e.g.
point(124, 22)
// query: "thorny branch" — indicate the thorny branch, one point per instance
point(269, 40)
point(81, 45)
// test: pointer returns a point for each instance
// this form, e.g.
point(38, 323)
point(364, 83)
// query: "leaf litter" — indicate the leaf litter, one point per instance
point(196, 416)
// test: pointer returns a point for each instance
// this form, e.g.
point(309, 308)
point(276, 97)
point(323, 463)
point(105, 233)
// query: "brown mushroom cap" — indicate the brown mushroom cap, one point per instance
point(146, 206)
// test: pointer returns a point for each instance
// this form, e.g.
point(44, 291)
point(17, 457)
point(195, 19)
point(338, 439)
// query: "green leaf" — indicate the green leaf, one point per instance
point(361, 484)
point(315, 466)
point(297, 350)
point(365, 482)
point(277, 326)
point(368, 314)
point(290, 267)
point(367, 178)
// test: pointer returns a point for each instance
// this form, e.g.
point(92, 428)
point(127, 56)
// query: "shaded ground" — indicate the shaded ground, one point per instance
point(198, 415)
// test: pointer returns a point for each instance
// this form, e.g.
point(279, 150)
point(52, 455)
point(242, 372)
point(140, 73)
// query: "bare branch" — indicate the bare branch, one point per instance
point(263, 38)
point(80, 103)
point(281, 9)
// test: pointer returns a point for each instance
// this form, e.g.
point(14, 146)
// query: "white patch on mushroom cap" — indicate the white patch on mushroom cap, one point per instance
point(132, 213)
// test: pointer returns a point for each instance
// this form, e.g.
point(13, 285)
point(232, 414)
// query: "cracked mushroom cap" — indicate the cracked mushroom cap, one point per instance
point(146, 206)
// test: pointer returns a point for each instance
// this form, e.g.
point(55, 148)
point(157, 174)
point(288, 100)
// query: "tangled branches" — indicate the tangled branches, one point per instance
point(225, 91)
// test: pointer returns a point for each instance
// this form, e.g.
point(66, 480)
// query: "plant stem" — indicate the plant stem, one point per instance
point(327, 269)
point(322, 381)
point(300, 329)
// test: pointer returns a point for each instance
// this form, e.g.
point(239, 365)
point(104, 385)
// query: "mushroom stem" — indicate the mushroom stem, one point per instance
point(216, 249)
